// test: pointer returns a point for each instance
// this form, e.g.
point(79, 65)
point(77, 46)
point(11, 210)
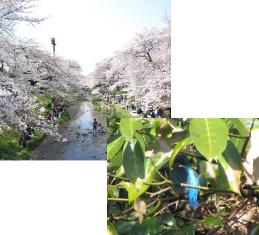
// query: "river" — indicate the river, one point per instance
point(78, 141)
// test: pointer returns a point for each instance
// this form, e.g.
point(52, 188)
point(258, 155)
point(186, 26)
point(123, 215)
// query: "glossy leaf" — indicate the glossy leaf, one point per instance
point(133, 160)
point(114, 147)
point(115, 162)
point(214, 175)
point(178, 147)
point(209, 135)
point(129, 125)
point(113, 191)
point(111, 229)
point(230, 162)
point(131, 189)
point(140, 139)
point(168, 219)
point(243, 130)
point(148, 227)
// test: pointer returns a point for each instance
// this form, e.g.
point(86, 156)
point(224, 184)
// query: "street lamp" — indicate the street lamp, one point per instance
point(53, 42)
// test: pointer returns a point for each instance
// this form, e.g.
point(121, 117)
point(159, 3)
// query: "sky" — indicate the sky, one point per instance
point(89, 31)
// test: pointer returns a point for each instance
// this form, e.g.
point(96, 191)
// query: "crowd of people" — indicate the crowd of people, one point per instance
point(138, 108)
point(57, 109)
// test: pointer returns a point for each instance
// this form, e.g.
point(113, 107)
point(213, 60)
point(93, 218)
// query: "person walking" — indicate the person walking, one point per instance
point(95, 123)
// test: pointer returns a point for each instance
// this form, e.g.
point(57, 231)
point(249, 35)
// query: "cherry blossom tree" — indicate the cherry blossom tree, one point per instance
point(142, 68)
point(29, 71)
point(14, 11)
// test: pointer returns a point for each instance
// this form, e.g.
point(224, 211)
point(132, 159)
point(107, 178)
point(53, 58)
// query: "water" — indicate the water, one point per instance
point(80, 143)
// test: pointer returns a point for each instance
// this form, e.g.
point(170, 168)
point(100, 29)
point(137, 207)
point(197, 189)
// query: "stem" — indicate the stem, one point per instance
point(193, 155)
point(117, 177)
point(118, 199)
point(238, 136)
point(203, 188)
point(157, 183)
point(160, 192)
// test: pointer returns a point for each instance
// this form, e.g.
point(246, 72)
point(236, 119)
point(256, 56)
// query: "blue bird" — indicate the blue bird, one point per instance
point(183, 173)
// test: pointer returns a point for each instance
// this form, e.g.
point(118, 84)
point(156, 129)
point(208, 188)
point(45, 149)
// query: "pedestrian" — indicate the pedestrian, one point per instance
point(160, 112)
point(95, 123)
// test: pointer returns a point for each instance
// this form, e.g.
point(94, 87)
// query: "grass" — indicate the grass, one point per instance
point(64, 118)
point(46, 101)
point(9, 137)
point(43, 101)
point(9, 144)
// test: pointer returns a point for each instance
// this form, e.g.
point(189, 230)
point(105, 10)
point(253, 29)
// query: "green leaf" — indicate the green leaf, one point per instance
point(158, 161)
point(209, 135)
point(255, 230)
point(178, 147)
point(168, 219)
point(213, 220)
point(111, 229)
point(115, 162)
point(114, 147)
point(140, 139)
point(226, 174)
point(128, 126)
point(113, 191)
point(214, 174)
point(149, 226)
point(137, 189)
point(230, 163)
point(133, 160)
point(243, 130)
point(239, 124)
point(131, 189)
point(186, 230)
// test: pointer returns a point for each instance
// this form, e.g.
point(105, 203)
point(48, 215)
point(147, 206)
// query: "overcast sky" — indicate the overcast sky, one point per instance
point(91, 30)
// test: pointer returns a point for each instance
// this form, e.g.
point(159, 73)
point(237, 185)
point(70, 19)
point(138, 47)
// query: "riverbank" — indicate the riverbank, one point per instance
point(9, 144)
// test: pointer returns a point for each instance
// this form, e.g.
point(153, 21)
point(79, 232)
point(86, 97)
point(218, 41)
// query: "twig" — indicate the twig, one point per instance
point(195, 156)
point(229, 219)
point(238, 136)
point(117, 177)
point(157, 183)
point(168, 205)
point(160, 192)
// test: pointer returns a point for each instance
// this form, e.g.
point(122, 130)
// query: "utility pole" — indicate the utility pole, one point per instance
point(53, 42)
